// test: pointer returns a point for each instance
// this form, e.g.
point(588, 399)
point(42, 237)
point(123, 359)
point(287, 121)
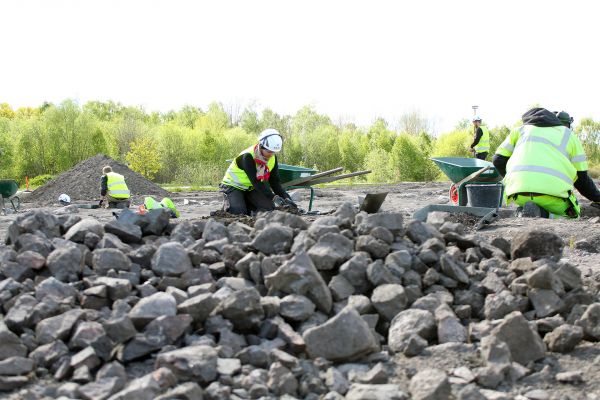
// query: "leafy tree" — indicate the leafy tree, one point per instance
point(6, 111)
point(414, 123)
point(588, 131)
point(249, 121)
point(144, 157)
point(188, 116)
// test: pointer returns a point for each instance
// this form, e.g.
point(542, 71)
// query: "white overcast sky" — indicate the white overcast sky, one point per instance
point(355, 60)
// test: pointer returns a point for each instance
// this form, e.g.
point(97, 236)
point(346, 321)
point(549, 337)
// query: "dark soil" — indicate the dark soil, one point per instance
point(82, 183)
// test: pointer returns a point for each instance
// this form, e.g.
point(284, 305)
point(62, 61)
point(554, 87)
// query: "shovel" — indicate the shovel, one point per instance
point(372, 202)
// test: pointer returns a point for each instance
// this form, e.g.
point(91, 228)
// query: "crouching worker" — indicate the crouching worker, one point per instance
point(114, 190)
point(542, 163)
point(150, 203)
point(252, 180)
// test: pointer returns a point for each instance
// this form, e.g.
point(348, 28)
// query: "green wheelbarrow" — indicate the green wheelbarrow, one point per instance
point(8, 190)
point(468, 171)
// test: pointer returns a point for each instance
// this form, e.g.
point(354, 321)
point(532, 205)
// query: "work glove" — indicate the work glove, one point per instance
point(278, 201)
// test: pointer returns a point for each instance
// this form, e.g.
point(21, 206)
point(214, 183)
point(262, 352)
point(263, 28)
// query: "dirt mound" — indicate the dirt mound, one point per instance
point(82, 183)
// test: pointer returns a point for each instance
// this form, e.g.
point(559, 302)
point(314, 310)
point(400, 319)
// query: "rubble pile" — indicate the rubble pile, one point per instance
point(82, 183)
point(332, 309)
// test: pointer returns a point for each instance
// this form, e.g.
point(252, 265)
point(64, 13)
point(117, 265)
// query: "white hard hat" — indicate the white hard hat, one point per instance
point(476, 118)
point(271, 140)
point(64, 198)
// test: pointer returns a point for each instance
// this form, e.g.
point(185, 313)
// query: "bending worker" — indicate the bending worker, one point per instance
point(253, 176)
point(481, 140)
point(542, 162)
point(114, 190)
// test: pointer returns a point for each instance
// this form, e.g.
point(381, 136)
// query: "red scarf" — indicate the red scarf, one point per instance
point(262, 170)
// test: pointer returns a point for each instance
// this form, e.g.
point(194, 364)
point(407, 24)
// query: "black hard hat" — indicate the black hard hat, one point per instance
point(564, 118)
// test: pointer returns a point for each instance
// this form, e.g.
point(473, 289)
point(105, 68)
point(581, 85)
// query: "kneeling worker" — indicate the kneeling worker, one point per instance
point(542, 162)
point(253, 176)
point(114, 190)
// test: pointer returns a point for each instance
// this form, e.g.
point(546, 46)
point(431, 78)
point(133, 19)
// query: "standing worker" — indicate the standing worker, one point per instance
point(253, 176)
point(542, 162)
point(114, 190)
point(481, 141)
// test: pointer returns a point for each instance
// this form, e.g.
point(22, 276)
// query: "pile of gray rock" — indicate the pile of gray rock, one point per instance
point(140, 308)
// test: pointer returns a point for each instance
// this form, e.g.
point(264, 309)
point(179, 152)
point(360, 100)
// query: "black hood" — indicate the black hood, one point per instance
point(540, 117)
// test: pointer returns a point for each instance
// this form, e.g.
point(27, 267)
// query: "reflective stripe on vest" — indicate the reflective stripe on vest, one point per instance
point(541, 163)
point(237, 177)
point(484, 141)
point(117, 188)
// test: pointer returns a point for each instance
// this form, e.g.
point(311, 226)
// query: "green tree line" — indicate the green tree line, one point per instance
point(190, 146)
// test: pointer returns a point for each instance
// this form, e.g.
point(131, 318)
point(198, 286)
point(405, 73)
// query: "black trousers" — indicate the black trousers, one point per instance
point(240, 202)
point(481, 156)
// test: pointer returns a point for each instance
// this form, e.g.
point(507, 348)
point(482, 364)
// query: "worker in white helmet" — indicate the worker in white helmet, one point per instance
point(481, 139)
point(251, 182)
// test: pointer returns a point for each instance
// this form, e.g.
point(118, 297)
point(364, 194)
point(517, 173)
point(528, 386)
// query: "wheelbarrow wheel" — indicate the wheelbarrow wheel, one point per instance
point(454, 194)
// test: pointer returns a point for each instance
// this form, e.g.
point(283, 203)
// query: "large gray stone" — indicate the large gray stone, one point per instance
point(198, 363)
point(243, 309)
point(375, 247)
point(430, 384)
point(33, 221)
point(525, 344)
point(16, 366)
point(274, 239)
point(545, 302)
point(171, 259)
point(389, 391)
point(48, 354)
point(564, 338)
point(355, 271)
point(498, 305)
point(389, 300)
point(296, 307)
point(152, 307)
point(590, 322)
point(58, 327)
point(342, 338)
point(410, 322)
point(299, 276)
point(127, 232)
point(10, 344)
point(79, 230)
point(536, 244)
point(19, 316)
point(104, 260)
point(366, 222)
point(452, 269)
point(330, 251)
point(199, 307)
point(66, 263)
point(419, 232)
point(214, 230)
point(52, 287)
point(148, 386)
point(33, 242)
point(100, 389)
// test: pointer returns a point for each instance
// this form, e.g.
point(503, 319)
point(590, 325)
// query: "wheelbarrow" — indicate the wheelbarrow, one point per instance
point(463, 171)
point(300, 177)
point(8, 190)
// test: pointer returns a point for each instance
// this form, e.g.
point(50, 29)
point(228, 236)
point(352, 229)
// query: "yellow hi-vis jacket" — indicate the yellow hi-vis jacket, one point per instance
point(237, 177)
point(484, 142)
point(542, 160)
point(117, 188)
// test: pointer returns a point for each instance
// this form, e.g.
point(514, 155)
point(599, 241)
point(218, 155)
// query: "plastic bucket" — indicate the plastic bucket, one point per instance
point(484, 195)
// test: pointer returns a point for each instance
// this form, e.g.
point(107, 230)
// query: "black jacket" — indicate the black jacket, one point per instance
point(247, 163)
point(544, 118)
